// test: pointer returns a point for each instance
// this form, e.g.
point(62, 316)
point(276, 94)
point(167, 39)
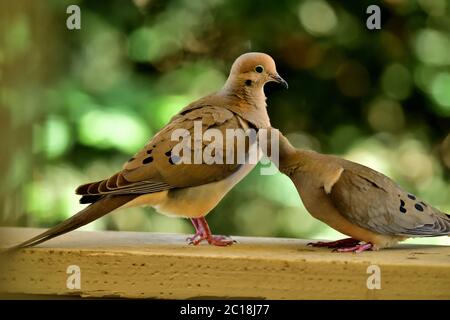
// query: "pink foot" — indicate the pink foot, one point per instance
point(204, 233)
point(342, 243)
point(195, 239)
point(221, 241)
point(356, 249)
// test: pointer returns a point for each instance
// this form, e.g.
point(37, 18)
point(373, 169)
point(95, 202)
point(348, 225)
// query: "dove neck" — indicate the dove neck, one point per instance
point(287, 155)
point(252, 94)
point(290, 156)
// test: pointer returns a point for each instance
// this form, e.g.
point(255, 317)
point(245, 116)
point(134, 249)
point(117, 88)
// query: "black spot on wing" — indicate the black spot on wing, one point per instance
point(149, 151)
point(412, 197)
point(418, 207)
point(423, 203)
point(402, 206)
point(131, 159)
point(147, 160)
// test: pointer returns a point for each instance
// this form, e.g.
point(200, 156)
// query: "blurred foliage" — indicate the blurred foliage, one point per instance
point(76, 104)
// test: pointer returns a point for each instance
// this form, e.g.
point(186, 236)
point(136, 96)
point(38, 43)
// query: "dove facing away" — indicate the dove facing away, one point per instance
point(358, 201)
point(155, 177)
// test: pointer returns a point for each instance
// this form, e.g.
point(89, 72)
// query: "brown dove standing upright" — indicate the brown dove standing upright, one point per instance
point(358, 201)
point(155, 177)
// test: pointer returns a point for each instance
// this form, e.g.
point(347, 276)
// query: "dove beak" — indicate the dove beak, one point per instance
point(276, 77)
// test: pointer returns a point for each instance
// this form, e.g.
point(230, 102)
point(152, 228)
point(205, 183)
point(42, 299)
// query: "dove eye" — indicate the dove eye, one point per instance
point(259, 69)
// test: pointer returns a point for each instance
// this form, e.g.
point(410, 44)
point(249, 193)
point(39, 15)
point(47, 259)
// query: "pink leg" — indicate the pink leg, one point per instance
point(204, 233)
point(198, 231)
point(195, 223)
point(347, 242)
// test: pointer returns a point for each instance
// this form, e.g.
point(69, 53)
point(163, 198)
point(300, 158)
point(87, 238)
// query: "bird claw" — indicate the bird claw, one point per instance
point(221, 241)
point(342, 243)
point(204, 233)
point(195, 239)
point(355, 249)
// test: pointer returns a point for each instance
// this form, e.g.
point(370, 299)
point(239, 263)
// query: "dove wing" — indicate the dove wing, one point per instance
point(373, 201)
point(155, 168)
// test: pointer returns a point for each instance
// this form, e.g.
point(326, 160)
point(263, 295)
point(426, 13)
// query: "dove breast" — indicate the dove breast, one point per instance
point(198, 201)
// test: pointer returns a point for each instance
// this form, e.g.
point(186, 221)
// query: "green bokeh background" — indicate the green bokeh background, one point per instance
point(75, 104)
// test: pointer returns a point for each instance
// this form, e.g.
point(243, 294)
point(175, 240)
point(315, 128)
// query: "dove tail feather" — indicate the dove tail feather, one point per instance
point(88, 214)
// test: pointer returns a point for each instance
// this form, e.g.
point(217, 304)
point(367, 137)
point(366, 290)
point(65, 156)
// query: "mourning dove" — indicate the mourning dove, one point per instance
point(155, 177)
point(358, 201)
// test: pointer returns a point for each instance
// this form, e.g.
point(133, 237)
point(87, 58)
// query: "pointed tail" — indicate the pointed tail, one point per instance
point(88, 214)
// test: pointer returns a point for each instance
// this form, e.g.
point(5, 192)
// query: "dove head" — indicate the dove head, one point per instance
point(251, 71)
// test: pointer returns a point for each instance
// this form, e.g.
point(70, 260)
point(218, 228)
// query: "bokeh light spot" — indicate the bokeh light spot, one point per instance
point(445, 151)
point(434, 7)
point(17, 39)
point(440, 89)
point(386, 115)
point(423, 76)
point(163, 109)
point(396, 82)
point(56, 137)
point(107, 129)
point(414, 162)
point(433, 47)
point(318, 17)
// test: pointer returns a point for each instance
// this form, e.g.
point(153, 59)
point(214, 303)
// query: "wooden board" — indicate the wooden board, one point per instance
point(149, 265)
